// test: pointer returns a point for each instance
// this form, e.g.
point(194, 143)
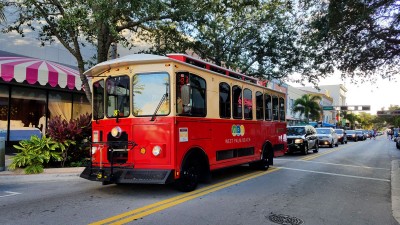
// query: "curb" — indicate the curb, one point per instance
point(52, 174)
point(395, 187)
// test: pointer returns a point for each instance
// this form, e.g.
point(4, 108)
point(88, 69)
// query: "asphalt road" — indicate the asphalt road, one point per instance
point(349, 184)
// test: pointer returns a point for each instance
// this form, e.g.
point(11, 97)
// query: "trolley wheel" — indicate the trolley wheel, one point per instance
point(264, 163)
point(189, 177)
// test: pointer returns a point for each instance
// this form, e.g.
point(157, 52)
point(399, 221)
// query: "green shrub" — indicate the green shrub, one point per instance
point(36, 152)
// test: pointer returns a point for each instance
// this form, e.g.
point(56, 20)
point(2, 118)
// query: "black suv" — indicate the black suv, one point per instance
point(302, 138)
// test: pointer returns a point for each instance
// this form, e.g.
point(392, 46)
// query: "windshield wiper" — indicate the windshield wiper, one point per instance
point(153, 117)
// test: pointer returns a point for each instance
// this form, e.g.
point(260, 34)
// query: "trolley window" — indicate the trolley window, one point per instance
point(117, 96)
point(224, 100)
point(282, 109)
point(98, 99)
point(259, 106)
point(237, 102)
point(191, 95)
point(248, 104)
point(268, 107)
point(151, 94)
point(275, 107)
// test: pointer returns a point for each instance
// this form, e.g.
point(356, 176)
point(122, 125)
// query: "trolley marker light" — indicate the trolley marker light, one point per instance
point(95, 136)
point(94, 150)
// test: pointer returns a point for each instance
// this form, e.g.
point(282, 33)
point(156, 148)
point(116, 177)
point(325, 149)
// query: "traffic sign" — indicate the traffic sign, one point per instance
point(327, 107)
point(388, 113)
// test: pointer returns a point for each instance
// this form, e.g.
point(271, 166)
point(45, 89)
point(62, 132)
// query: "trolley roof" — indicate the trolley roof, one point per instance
point(124, 61)
point(149, 58)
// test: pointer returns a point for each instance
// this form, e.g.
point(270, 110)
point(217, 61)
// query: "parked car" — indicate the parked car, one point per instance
point(342, 138)
point(302, 138)
point(351, 135)
point(327, 136)
point(360, 135)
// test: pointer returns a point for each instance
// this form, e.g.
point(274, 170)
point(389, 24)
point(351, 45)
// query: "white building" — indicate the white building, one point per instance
point(337, 92)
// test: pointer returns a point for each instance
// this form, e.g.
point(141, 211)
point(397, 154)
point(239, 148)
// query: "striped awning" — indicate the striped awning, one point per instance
point(39, 71)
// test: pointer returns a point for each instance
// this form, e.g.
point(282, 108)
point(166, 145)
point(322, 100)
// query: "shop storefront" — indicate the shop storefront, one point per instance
point(32, 91)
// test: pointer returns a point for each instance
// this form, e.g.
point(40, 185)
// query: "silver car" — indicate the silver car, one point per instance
point(327, 136)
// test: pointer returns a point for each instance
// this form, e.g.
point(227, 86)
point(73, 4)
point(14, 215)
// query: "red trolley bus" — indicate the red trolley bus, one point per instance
point(175, 118)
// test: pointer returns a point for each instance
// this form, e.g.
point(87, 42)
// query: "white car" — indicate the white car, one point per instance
point(327, 136)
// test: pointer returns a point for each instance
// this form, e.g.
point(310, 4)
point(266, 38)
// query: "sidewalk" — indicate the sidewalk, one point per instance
point(395, 186)
point(50, 174)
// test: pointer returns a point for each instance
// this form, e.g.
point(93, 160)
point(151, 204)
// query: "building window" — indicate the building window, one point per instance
point(81, 106)
point(3, 108)
point(60, 104)
point(27, 107)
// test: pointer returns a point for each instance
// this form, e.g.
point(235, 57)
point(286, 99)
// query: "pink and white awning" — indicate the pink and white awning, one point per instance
point(39, 71)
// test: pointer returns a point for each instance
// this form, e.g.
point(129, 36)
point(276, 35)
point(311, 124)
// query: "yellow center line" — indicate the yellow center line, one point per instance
point(314, 156)
point(319, 155)
point(158, 206)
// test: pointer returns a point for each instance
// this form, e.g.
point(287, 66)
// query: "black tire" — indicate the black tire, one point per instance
point(264, 163)
point(337, 144)
point(316, 148)
point(189, 177)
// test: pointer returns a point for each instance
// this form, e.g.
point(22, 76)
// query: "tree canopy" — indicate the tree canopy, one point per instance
point(2, 16)
point(359, 38)
point(256, 37)
point(78, 23)
point(267, 39)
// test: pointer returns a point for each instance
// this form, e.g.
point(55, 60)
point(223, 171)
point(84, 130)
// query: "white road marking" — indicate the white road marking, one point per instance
point(334, 174)
point(9, 193)
point(335, 164)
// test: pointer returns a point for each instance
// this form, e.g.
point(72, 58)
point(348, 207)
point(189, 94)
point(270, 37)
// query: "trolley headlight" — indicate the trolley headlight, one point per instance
point(156, 150)
point(116, 132)
point(298, 141)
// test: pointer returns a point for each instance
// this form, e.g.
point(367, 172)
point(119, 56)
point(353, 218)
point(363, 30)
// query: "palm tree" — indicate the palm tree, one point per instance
point(352, 118)
point(308, 106)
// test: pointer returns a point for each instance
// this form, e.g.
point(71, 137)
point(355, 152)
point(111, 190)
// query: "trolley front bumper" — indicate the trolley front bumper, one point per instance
point(127, 175)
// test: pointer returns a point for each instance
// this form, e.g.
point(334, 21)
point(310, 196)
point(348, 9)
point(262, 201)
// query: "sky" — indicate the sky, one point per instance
point(378, 95)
